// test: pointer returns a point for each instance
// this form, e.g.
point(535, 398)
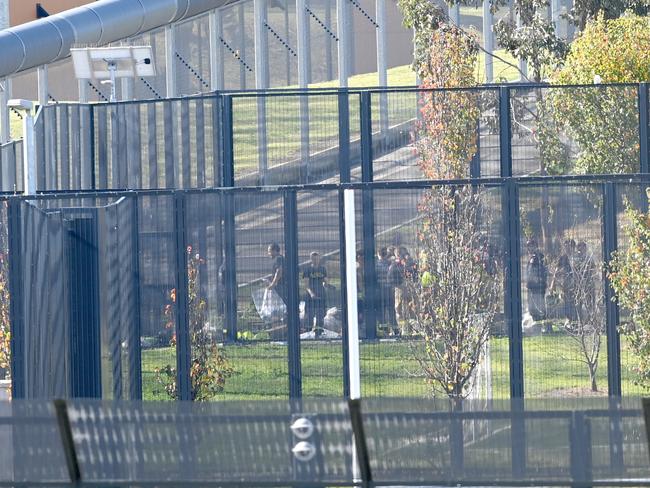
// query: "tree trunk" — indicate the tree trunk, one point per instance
point(592, 377)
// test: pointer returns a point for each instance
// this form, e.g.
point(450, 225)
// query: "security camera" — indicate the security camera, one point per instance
point(146, 60)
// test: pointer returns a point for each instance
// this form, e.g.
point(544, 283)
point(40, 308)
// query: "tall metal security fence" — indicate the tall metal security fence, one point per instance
point(309, 137)
point(125, 294)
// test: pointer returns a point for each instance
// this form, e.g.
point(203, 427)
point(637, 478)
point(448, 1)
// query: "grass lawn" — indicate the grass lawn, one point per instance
point(388, 369)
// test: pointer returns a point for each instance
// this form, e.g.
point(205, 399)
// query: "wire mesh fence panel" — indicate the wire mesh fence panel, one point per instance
point(573, 130)
point(630, 198)
point(282, 43)
point(157, 276)
point(413, 131)
point(565, 340)
point(238, 46)
point(261, 314)
point(5, 297)
point(11, 157)
point(152, 86)
point(192, 56)
point(323, 39)
point(170, 144)
point(321, 310)
point(288, 139)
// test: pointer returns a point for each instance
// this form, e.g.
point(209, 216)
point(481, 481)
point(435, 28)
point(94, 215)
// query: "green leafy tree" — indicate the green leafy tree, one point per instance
point(630, 277)
point(601, 122)
point(209, 367)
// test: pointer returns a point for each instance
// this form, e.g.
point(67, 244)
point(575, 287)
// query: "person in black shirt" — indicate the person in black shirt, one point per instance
point(278, 281)
point(315, 276)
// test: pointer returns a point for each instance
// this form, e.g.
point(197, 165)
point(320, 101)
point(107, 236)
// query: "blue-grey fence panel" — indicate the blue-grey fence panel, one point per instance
point(11, 161)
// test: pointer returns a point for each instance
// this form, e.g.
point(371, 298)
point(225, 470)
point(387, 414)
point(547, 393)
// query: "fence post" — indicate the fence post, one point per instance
point(17, 324)
point(505, 132)
point(580, 449)
point(475, 163)
point(513, 305)
point(345, 337)
point(643, 128)
point(228, 180)
point(183, 346)
point(135, 364)
point(344, 135)
point(371, 296)
point(293, 294)
point(610, 244)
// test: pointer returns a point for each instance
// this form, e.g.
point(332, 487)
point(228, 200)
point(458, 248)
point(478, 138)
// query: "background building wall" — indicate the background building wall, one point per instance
point(21, 11)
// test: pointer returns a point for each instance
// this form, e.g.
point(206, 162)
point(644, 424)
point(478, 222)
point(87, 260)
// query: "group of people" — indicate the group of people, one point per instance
point(575, 262)
point(392, 266)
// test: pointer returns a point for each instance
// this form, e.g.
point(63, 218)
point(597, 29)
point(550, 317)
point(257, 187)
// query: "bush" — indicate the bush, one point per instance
point(630, 278)
point(209, 368)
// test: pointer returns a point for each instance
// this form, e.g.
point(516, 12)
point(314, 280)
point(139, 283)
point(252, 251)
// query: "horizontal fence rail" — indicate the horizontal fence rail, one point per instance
point(325, 442)
point(164, 294)
point(288, 137)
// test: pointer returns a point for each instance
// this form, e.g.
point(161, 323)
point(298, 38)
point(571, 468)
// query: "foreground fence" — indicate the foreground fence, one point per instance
point(325, 442)
point(308, 137)
point(125, 294)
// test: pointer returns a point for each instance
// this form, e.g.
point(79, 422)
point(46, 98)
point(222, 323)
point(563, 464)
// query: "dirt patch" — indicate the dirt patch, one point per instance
point(575, 392)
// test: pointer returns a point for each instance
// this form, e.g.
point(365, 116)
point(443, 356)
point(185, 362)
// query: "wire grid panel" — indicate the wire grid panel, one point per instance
point(437, 442)
point(413, 131)
point(288, 139)
point(238, 46)
point(158, 280)
point(32, 451)
point(263, 363)
point(192, 56)
point(573, 130)
point(397, 364)
point(282, 43)
point(166, 144)
point(321, 315)
point(565, 352)
point(323, 39)
point(216, 442)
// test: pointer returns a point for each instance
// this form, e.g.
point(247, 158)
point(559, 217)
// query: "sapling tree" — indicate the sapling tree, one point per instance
point(453, 297)
point(209, 367)
point(588, 302)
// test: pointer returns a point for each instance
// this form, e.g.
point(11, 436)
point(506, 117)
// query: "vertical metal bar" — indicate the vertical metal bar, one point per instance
point(16, 311)
point(344, 136)
point(610, 244)
point(488, 40)
point(217, 144)
point(135, 365)
point(505, 138)
point(67, 441)
point(342, 20)
point(230, 262)
point(83, 90)
point(170, 61)
point(127, 89)
point(512, 295)
point(227, 141)
point(170, 148)
point(86, 142)
point(287, 34)
point(360, 444)
point(186, 141)
point(345, 336)
point(293, 298)
point(43, 92)
point(29, 154)
point(260, 19)
point(644, 107)
point(216, 51)
point(183, 346)
point(371, 293)
point(5, 96)
point(304, 51)
point(242, 46)
point(382, 63)
point(328, 40)
point(475, 163)
point(454, 14)
point(228, 180)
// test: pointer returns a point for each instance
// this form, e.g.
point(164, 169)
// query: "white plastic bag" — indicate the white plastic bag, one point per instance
point(269, 305)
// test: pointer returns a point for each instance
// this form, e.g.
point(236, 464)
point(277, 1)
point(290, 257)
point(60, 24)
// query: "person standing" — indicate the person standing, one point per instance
point(536, 277)
point(386, 291)
point(315, 276)
point(278, 279)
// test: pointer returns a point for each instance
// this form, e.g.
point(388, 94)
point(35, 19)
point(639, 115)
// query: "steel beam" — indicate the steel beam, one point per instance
point(216, 51)
point(488, 41)
point(170, 61)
